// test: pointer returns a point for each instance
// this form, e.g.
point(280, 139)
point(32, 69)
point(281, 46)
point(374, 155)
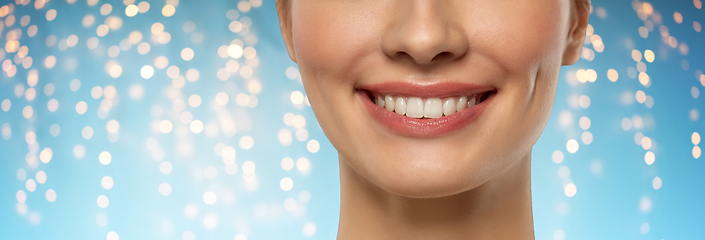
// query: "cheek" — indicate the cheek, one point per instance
point(331, 39)
point(521, 36)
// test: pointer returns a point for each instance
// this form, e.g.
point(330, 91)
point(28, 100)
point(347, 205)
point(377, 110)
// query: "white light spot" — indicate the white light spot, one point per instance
point(164, 189)
point(46, 155)
point(81, 107)
point(191, 211)
point(113, 236)
point(87, 132)
point(147, 72)
point(557, 156)
point(105, 158)
point(287, 163)
point(303, 165)
point(292, 73)
point(41, 177)
point(645, 204)
point(695, 138)
point(309, 229)
point(646, 143)
point(572, 146)
point(649, 158)
point(559, 235)
point(585, 123)
point(644, 229)
point(103, 201)
point(286, 184)
point(165, 126)
point(297, 97)
point(187, 54)
point(313, 146)
point(246, 142)
point(586, 137)
point(165, 167)
point(570, 190)
point(21, 196)
point(50, 195)
point(209, 198)
point(107, 182)
point(79, 151)
point(657, 183)
point(210, 221)
point(52, 105)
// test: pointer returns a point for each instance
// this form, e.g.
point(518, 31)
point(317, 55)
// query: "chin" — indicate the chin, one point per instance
point(426, 175)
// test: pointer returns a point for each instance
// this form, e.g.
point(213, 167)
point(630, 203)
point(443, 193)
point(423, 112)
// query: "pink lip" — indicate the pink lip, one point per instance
point(422, 128)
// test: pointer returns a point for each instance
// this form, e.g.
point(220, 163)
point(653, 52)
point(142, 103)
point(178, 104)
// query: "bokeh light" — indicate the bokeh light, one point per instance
point(152, 120)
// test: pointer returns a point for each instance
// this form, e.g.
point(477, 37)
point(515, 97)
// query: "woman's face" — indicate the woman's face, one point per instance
point(467, 85)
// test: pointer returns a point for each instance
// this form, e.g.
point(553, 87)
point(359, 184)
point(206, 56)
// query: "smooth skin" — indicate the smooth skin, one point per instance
point(473, 183)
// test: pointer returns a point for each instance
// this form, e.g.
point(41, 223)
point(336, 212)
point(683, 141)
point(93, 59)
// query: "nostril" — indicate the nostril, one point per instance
point(403, 55)
point(442, 56)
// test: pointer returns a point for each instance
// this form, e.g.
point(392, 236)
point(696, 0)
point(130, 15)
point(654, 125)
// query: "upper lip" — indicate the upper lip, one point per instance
point(425, 90)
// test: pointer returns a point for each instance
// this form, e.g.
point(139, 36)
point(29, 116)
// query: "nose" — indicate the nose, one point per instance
point(423, 32)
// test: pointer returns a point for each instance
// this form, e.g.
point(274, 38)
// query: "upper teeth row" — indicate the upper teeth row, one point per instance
point(416, 107)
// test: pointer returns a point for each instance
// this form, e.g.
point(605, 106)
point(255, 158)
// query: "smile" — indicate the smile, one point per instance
point(425, 110)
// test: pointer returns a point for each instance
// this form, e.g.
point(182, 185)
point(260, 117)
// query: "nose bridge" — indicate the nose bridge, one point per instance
point(423, 32)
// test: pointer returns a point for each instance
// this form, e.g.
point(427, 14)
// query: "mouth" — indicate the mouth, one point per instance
point(425, 110)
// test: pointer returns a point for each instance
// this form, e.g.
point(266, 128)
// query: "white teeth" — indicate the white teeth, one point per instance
point(472, 101)
point(414, 107)
point(462, 103)
point(400, 106)
point(433, 108)
point(380, 101)
point(389, 103)
point(449, 107)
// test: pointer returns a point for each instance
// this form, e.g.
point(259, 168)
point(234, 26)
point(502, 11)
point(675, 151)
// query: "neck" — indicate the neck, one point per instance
point(498, 209)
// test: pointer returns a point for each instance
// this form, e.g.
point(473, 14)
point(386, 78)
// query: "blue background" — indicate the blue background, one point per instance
point(616, 197)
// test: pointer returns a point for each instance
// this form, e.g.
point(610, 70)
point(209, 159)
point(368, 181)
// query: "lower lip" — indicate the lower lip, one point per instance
point(423, 128)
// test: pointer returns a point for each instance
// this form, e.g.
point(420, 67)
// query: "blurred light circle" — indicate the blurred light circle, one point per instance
point(113, 236)
point(191, 211)
point(147, 71)
point(572, 146)
point(105, 158)
point(187, 54)
point(50, 195)
point(657, 183)
point(286, 184)
point(107, 182)
point(290, 204)
point(41, 177)
point(309, 229)
point(646, 143)
point(695, 138)
point(649, 158)
point(21, 196)
point(79, 151)
point(297, 97)
point(246, 142)
point(303, 165)
point(570, 190)
point(557, 156)
point(165, 167)
point(103, 201)
point(46, 155)
point(209, 198)
point(559, 235)
point(164, 189)
point(313, 146)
